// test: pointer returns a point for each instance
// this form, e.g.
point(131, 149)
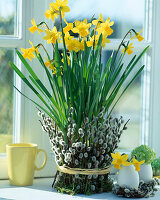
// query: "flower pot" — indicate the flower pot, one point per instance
point(128, 177)
point(146, 173)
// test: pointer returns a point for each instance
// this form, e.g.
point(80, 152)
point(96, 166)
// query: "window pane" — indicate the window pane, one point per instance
point(8, 17)
point(126, 14)
point(129, 106)
point(6, 98)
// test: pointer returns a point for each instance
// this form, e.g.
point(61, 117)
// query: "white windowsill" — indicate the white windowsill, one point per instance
point(41, 189)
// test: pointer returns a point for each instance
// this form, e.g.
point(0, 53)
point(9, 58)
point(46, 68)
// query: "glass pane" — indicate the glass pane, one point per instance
point(6, 98)
point(8, 17)
point(129, 106)
point(125, 14)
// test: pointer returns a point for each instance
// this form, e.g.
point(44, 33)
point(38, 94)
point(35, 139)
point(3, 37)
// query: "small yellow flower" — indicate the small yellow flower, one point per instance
point(51, 13)
point(128, 49)
point(138, 36)
point(91, 39)
point(96, 22)
point(34, 49)
point(81, 27)
point(28, 53)
point(34, 27)
point(137, 164)
point(68, 59)
point(52, 36)
point(68, 27)
point(61, 5)
point(120, 160)
point(104, 28)
point(72, 45)
point(50, 65)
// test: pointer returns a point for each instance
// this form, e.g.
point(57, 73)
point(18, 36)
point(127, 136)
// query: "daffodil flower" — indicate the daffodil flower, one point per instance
point(91, 40)
point(61, 5)
point(96, 22)
point(138, 36)
point(50, 65)
point(120, 160)
point(34, 49)
point(104, 28)
point(52, 36)
point(28, 53)
point(137, 164)
point(128, 49)
point(82, 27)
point(51, 13)
point(34, 27)
point(68, 27)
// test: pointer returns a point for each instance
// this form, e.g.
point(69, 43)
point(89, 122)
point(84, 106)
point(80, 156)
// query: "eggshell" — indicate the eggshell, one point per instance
point(128, 177)
point(145, 172)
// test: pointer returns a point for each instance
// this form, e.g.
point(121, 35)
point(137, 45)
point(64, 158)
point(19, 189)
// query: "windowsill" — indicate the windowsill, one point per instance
point(41, 189)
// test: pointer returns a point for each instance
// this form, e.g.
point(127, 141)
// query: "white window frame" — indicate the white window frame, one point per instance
point(29, 130)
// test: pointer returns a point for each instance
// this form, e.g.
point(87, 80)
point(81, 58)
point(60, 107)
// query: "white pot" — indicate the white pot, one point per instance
point(145, 172)
point(128, 177)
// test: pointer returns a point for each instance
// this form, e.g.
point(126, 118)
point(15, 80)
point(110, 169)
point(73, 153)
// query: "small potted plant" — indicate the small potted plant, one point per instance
point(144, 152)
point(156, 167)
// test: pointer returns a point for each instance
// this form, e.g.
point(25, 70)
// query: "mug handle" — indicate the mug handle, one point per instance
point(45, 159)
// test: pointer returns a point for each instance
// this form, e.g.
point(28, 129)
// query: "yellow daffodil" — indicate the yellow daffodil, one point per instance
point(50, 65)
point(28, 53)
point(51, 13)
point(82, 27)
point(61, 5)
point(137, 164)
point(91, 39)
point(34, 27)
point(104, 28)
point(67, 37)
point(128, 49)
point(34, 49)
point(98, 21)
point(68, 27)
point(120, 160)
point(68, 59)
point(52, 36)
point(138, 36)
point(72, 45)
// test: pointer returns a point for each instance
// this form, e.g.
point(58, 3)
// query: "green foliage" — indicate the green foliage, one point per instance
point(156, 163)
point(144, 152)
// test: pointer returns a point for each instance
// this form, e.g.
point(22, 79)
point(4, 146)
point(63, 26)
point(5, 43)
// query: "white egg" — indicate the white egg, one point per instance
point(128, 177)
point(145, 172)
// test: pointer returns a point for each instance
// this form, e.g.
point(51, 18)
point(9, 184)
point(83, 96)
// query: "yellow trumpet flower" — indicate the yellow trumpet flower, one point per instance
point(51, 13)
point(52, 36)
point(82, 27)
point(61, 5)
point(128, 49)
point(98, 21)
point(137, 164)
point(104, 28)
point(68, 27)
point(28, 53)
point(120, 160)
point(34, 27)
point(138, 36)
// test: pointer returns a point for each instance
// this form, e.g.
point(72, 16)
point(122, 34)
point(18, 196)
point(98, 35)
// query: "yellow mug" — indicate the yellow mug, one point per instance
point(21, 163)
